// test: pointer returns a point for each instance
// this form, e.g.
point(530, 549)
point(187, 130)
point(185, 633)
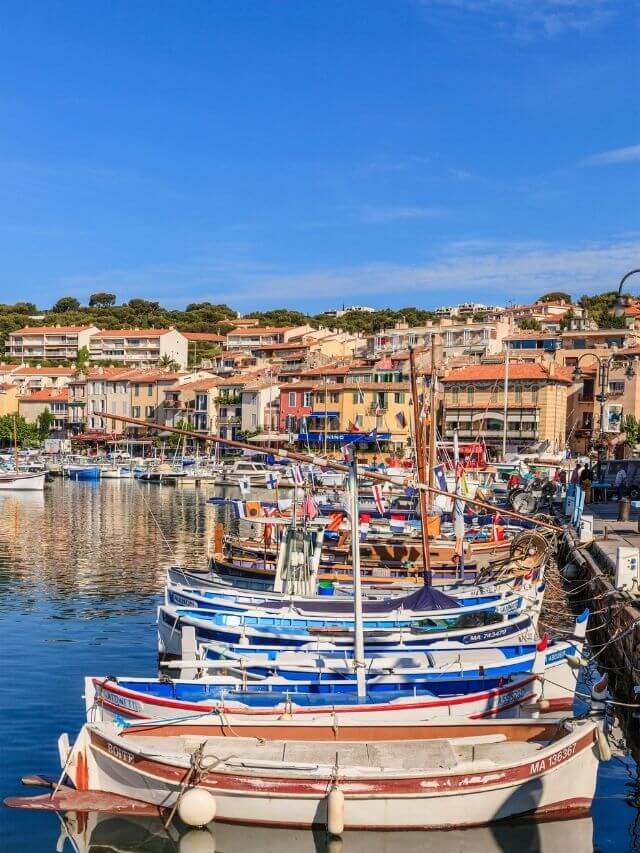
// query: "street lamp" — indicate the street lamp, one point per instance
point(604, 369)
point(620, 303)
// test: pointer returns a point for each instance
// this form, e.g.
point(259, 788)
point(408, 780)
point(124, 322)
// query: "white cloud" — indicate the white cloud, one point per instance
point(616, 155)
point(376, 215)
point(526, 17)
point(499, 271)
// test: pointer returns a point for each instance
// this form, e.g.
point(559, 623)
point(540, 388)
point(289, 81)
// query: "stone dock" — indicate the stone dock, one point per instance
point(614, 624)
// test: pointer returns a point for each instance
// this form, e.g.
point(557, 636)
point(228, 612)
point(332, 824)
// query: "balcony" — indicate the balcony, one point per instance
point(377, 410)
point(230, 421)
point(174, 404)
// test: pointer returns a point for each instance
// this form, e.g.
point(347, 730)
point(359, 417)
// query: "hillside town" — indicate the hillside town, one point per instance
point(545, 375)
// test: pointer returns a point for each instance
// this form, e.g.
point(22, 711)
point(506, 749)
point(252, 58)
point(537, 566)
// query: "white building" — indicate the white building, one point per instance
point(54, 342)
point(139, 347)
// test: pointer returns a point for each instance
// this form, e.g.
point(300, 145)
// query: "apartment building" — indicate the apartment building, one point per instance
point(139, 347)
point(252, 337)
point(54, 400)
point(457, 338)
point(260, 406)
point(49, 342)
point(28, 379)
point(536, 404)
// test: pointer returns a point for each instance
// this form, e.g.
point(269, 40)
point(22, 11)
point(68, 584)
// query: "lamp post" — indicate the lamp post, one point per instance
point(604, 370)
point(619, 303)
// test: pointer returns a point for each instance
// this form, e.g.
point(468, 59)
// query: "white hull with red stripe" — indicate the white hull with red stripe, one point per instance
point(445, 775)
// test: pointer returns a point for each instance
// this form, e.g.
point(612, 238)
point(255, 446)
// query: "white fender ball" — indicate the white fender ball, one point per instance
point(197, 807)
point(197, 841)
point(335, 811)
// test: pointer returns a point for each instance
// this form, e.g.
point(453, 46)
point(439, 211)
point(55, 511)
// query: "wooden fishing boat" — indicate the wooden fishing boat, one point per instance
point(22, 481)
point(400, 776)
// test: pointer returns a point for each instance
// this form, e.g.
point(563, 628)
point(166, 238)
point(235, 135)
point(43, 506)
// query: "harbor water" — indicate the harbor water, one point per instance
point(81, 569)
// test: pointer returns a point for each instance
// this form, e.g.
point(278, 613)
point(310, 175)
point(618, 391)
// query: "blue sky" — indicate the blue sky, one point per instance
point(312, 152)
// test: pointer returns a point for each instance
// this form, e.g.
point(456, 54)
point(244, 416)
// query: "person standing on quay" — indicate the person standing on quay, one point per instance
point(621, 476)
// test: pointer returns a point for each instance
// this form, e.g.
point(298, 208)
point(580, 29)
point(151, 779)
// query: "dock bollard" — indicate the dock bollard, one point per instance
point(624, 509)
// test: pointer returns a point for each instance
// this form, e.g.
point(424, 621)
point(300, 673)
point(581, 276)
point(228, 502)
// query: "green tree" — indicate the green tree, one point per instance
point(44, 423)
point(143, 305)
point(66, 304)
point(168, 362)
point(26, 433)
point(555, 296)
point(102, 300)
point(174, 439)
point(530, 324)
point(82, 360)
point(631, 427)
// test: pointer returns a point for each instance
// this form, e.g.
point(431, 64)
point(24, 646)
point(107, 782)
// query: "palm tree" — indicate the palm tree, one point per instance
point(82, 360)
point(169, 363)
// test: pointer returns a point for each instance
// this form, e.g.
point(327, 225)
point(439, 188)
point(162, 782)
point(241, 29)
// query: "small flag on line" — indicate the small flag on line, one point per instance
point(378, 499)
point(271, 479)
point(244, 484)
point(238, 508)
point(297, 475)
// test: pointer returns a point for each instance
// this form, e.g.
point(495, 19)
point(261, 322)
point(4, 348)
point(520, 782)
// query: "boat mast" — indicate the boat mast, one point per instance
point(505, 407)
point(16, 458)
point(420, 464)
point(433, 458)
point(358, 639)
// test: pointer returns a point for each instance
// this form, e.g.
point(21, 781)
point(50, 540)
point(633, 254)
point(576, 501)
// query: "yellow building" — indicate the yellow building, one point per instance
point(8, 399)
point(340, 412)
point(536, 404)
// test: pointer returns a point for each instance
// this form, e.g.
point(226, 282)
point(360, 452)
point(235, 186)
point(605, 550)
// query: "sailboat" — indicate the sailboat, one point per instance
point(20, 481)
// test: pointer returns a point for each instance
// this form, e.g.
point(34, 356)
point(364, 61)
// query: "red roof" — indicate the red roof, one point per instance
point(199, 385)
point(259, 330)
point(60, 330)
point(490, 372)
point(43, 371)
point(131, 333)
point(210, 337)
point(47, 395)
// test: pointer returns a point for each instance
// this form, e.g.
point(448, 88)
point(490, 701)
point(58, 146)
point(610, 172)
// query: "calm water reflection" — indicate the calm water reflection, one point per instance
point(81, 569)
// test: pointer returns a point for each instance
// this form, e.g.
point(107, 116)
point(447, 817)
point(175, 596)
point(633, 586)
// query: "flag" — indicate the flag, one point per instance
point(270, 511)
point(309, 508)
point(365, 521)
point(400, 418)
point(253, 509)
point(271, 479)
point(441, 480)
point(347, 453)
point(497, 530)
point(353, 427)
point(378, 499)
point(238, 507)
point(379, 411)
point(285, 504)
point(303, 426)
point(335, 520)
point(244, 484)
point(297, 475)
point(396, 523)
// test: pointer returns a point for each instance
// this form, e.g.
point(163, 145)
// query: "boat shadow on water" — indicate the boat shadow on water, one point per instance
point(99, 833)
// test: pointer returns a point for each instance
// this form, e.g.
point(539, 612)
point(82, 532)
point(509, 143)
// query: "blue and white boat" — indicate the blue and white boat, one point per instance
point(81, 471)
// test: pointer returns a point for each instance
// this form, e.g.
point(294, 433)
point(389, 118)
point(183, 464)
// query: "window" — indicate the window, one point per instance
point(149, 411)
point(135, 411)
point(359, 421)
point(455, 395)
point(518, 393)
point(136, 390)
point(292, 398)
point(470, 394)
point(534, 395)
point(306, 399)
point(149, 389)
point(254, 419)
point(398, 397)
point(334, 397)
point(616, 387)
point(358, 397)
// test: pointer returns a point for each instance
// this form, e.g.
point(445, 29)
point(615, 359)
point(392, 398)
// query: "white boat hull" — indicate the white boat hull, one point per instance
point(22, 482)
point(559, 777)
